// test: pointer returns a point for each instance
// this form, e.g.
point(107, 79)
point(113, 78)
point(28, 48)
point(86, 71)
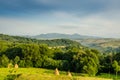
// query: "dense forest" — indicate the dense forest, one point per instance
point(63, 54)
point(50, 43)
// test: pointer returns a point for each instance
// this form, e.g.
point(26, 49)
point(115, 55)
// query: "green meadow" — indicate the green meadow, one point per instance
point(44, 74)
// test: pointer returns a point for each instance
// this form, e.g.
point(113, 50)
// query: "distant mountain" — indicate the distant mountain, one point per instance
point(61, 36)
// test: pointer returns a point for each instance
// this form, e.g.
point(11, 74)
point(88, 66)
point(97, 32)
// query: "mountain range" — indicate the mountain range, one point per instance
point(61, 36)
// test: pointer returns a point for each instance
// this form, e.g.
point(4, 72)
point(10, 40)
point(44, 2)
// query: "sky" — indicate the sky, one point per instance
point(86, 17)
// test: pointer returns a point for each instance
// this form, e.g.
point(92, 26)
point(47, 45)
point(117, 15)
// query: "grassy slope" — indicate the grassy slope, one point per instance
point(43, 74)
point(101, 44)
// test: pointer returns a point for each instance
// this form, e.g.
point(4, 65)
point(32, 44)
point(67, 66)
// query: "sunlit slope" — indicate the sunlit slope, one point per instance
point(43, 74)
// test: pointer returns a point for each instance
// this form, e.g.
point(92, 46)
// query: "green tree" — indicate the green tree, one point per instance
point(38, 63)
point(90, 68)
point(28, 63)
point(4, 61)
point(86, 61)
point(116, 67)
point(22, 63)
point(17, 59)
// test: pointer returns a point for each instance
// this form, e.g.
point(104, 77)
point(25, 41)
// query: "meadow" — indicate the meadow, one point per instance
point(45, 74)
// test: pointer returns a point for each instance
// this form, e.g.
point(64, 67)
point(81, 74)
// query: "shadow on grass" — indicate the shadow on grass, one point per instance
point(12, 76)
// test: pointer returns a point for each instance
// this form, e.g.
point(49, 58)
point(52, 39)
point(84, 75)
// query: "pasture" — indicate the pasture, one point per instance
point(43, 74)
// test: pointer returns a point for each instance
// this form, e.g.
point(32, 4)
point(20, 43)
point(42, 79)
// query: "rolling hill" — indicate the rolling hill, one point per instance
point(53, 42)
point(105, 45)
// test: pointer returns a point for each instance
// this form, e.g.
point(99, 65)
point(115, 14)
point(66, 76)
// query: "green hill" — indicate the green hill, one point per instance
point(53, 42)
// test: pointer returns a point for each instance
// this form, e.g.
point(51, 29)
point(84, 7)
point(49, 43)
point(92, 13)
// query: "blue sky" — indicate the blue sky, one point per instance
point(86, 17)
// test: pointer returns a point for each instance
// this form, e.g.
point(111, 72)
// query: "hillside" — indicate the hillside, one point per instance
point(32, 53)
point(42, 74)
point(53, 42)
point(105, 45)
point(64, 54)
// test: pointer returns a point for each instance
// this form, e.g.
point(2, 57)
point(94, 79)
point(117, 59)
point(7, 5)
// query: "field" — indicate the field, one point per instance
point(42, 74)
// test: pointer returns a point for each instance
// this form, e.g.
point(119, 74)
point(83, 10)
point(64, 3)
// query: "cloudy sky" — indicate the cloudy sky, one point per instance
point(85, 17)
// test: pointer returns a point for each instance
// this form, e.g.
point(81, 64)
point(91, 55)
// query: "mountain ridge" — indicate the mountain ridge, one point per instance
point(62, 36)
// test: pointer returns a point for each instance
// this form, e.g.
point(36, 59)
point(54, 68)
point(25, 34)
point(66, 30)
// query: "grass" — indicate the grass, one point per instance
point(111, 76)
point(45, 74)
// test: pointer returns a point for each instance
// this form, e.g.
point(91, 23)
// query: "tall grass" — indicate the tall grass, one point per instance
point(111, 76)
point(44, 74)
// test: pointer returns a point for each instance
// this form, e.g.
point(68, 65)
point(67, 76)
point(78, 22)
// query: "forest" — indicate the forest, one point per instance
point(64, 54)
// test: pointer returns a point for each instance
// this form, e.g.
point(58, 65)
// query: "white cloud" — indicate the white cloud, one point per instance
point(100, 24)
point(104, 23)
point(19, 26)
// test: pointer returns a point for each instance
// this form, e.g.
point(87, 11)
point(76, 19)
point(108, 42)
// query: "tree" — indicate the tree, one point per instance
point(17, 59)
point(28, 63)
point(4, 61)
point(116, 67)
point(22, 63)
point(38, 63)
point(86, 61)
point(90, 67)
